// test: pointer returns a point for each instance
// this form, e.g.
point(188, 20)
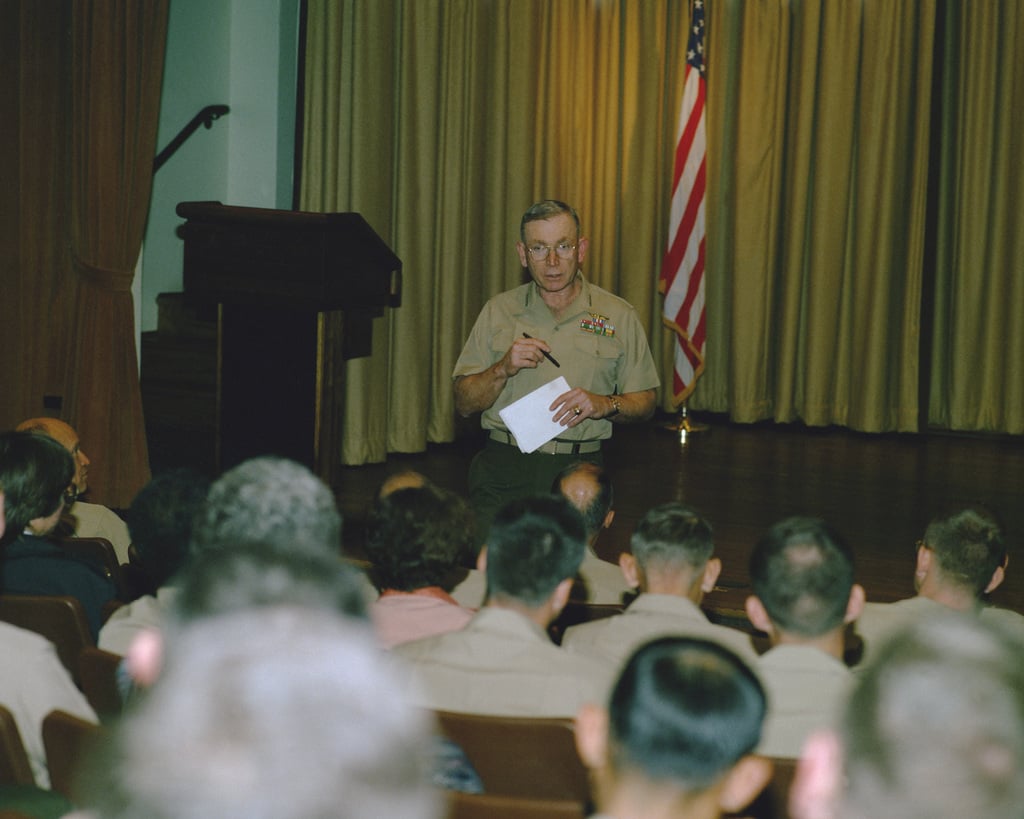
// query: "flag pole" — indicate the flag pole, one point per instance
point(681, 279)
point(684, 426)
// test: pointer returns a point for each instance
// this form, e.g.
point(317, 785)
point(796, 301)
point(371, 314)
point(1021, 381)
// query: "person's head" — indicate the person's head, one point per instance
point(684, 719)
point(587, 487)
point(282, 712)
point(65, 435)
point(34, 473)
point(404, 479)
point(934, 729)
point(415, 537)
point(160, 521)
point(802, 573)
point(534, 548)
point(671, 553)
point(273, 500)
point(550, 245)
point(963, 550)
point(244, 576)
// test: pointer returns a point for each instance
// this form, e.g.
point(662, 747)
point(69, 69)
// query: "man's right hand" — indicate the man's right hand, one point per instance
point(477, 392)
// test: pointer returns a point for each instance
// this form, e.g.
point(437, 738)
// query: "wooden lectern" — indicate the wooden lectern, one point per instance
point(296, 294)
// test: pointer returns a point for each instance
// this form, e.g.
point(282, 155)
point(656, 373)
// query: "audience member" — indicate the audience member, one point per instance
point(35, 471)
point(242, 576)
point(678, 736)
point(34, 682)
point(160, 521)
point(503, 662)
point(671, 562)
point(804, 597)
point(273, 500)
point(415, 538)
point(934, 730)
point(587, 487)
point(961, 559)
point(279, 712)
point(81, 519)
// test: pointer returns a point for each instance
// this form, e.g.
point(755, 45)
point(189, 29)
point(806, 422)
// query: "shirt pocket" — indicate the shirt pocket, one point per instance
point(599, 360)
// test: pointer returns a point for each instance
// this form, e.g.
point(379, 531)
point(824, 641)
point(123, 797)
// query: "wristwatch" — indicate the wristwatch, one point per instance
point(616, 406)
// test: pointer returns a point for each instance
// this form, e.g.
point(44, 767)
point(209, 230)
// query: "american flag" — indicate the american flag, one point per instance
point(682, 270)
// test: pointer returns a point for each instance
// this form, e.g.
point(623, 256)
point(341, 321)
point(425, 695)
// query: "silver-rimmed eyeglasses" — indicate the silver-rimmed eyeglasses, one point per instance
point(539, 252)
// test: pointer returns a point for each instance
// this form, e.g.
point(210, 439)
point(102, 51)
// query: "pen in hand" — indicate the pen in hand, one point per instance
point(546, 355)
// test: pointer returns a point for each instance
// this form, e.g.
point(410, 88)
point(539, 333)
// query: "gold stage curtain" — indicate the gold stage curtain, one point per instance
point(441, 121)
point(977, 360)
point(827, 251)
point(818, 159)
point(117, 58)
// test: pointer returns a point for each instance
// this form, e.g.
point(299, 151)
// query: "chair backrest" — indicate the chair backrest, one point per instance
point(98, 673)
point(520, 756)
point(14, 765)
point(59, 618)
point(490, 806)
point(100, 552)
point(66, 740)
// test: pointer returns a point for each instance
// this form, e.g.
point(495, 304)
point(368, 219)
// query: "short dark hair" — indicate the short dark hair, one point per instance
point(672, 535)
point(802, 571)
point(160, 521)
point(968, 544)
point(533, 545)
point(35, 471)
point(415, 537)
point(594, 512)
point(545, 209)
point(684, 710)
point(257, 574)
point(936, 727)
point(269, 499)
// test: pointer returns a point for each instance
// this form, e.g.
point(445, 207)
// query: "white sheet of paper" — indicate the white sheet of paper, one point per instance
point(529, 418)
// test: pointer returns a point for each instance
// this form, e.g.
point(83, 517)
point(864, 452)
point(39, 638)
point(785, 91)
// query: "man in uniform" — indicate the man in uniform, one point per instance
point(595, 337)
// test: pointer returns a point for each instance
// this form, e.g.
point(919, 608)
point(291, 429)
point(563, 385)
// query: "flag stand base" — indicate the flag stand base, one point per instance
point(683, 426)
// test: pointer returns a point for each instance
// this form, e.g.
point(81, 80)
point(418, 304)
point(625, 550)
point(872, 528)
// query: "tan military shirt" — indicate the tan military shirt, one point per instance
point(599, 344)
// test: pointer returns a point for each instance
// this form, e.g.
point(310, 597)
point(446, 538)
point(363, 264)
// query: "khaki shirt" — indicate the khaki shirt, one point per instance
point(599, 344)
point(34, 682)
point(613, 639)
point(806, 690)
point(501, 664)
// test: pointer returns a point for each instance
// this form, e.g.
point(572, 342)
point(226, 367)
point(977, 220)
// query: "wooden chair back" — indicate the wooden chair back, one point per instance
point(98, 672)
point(520, 756)
point(67, 740)
point(14, 765)
point(100, 552)
point(490, 806)
point(59, 618)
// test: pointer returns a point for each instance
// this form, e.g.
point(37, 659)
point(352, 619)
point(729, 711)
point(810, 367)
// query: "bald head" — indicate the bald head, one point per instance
point(407, 479)
point(587, 487)
point(65, 435)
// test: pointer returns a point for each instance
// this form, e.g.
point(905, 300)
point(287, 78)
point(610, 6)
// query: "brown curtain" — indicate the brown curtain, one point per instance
point(35, 294)
point(117, 59)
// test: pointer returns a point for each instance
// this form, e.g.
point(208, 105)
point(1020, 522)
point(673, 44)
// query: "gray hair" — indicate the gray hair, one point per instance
point(276, 713)
point(273, 500)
